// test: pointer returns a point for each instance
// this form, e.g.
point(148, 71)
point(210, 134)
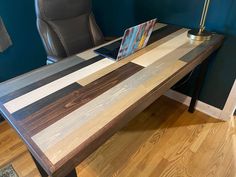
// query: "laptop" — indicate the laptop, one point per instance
point(134, 39)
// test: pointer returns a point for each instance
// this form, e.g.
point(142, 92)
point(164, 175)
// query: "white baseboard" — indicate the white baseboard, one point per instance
point(230, 105)
point(200, 106)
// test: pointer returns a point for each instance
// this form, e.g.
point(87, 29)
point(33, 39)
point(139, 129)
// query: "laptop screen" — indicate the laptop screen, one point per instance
point(136, 38)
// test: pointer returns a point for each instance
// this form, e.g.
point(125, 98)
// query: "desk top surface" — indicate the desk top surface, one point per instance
point(64, 111)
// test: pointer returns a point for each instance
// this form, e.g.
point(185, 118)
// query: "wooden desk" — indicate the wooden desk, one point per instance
point(65, 111)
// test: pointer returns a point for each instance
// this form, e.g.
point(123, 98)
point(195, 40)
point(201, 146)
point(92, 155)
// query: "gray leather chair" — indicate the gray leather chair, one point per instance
point(66, 27)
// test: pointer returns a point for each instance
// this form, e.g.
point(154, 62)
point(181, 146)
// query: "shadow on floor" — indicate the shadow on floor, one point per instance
point(167, 113)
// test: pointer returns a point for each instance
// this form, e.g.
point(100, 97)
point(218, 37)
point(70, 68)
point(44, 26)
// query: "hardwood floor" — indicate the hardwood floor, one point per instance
point(163, 141)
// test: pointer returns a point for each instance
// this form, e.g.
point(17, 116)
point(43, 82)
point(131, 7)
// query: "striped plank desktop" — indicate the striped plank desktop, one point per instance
point(65, 111)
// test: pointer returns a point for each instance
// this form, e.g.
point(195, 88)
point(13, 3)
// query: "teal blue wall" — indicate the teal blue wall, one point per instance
point(115, 16)
point(27, 52)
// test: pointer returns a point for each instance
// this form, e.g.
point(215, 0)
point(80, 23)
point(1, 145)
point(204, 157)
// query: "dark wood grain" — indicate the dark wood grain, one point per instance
point(69, 103)
point(38, 105)
point(162, 32)
point(49, 79)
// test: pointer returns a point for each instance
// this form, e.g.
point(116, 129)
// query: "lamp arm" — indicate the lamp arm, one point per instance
point(204, 15)
point(201, 34)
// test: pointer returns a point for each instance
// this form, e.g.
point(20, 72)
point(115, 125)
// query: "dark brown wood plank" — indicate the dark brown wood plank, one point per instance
point(38, 105)
point(48, 80)
point(62, 107)
point(162, 32)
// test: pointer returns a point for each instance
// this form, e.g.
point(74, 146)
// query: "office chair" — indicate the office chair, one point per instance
point(66, 27)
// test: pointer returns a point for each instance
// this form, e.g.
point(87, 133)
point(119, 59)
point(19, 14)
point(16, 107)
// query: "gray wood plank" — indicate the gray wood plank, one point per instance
point(36, 75)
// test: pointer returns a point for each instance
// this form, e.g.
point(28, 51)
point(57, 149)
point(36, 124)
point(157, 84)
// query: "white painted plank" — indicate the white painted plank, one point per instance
point(41, 92)
point(162, 50)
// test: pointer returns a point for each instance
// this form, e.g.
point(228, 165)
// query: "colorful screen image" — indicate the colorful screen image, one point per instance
point(136, 38)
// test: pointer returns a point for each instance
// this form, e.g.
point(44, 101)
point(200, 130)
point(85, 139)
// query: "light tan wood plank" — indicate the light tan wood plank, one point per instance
point(121, 63)
point(159, 26)
point(150, 57)
point(201, 137)
point(92, 77)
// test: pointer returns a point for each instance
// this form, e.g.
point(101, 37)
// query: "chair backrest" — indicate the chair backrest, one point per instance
point(67, 27)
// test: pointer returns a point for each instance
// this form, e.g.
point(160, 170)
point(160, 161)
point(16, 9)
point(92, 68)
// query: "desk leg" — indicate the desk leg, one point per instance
point(198, 86)
point(44, 173)
point(40, 168)
point(1, 118)
point(72, 174)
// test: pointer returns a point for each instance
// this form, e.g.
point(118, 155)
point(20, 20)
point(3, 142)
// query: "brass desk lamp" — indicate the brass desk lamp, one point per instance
point(201, 34)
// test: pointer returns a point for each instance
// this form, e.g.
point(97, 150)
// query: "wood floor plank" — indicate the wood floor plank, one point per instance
point(139, 148)
point(165, 168)
point(143, 127)
point(24, 166)
point(10, 144)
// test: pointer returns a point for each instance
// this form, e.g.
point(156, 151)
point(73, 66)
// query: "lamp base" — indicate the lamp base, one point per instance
point(199, 36)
